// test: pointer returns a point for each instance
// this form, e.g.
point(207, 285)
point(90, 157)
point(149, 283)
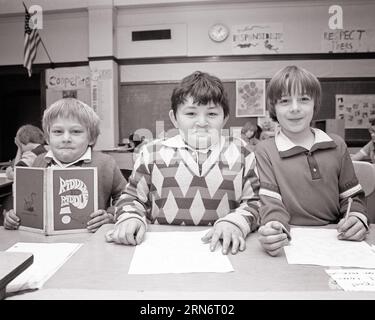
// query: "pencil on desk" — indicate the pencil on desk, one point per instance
point(350, 200)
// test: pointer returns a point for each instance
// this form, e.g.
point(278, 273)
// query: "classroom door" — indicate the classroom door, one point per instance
point(20, 103)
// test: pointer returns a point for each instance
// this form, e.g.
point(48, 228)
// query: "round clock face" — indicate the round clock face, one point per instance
point(218, 32)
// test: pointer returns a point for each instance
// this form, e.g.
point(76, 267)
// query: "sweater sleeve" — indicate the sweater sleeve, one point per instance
point(246, 215)
point(134, 202)
point(118, 184)
point(272, 207)
point(27, 159)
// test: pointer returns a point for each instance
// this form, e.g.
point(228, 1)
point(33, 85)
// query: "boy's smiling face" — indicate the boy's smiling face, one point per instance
point(68, 139)
point(199, 125)
point(294, 113)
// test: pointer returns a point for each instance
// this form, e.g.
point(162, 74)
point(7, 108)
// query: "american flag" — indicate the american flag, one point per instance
point(31, 42)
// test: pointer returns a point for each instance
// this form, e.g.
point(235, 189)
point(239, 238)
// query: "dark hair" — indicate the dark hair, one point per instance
point(290, 80)
point(258, 132)
point(30, 134)
point(203, 88)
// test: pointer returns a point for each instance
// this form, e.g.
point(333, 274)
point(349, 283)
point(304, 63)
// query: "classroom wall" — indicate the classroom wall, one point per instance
point(303, 24)
point(65, 35)
point(72, 36)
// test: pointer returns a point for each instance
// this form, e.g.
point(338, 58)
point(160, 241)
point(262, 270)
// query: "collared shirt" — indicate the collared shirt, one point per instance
point(53, 162)
point(307, 187)
point(287, 148)
point(199, 155)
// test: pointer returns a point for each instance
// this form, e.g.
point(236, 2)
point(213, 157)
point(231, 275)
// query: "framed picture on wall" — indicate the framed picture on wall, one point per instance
point(251, 98)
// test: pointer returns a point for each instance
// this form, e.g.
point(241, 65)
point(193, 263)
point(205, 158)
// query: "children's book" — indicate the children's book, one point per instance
point(55, 200)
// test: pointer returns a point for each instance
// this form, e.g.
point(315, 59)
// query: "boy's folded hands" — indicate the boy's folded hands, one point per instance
point(272, 237)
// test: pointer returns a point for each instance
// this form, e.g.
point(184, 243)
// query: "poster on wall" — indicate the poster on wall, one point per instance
point(257, 38)
point(355, 109)
point(348, 40)
point(250, 98)
point(68, 82)
point(101, 82)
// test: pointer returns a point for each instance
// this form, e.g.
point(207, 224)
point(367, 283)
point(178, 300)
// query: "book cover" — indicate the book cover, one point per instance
point(55, 200)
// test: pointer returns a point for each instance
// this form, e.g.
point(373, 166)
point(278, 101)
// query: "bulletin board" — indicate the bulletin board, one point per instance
point(354, 137)
point(142, 104)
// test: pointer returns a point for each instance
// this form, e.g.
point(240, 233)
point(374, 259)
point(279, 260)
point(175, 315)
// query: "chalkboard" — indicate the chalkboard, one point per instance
point(141, 105)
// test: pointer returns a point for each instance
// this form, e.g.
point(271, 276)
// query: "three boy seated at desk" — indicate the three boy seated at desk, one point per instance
point(199, 177)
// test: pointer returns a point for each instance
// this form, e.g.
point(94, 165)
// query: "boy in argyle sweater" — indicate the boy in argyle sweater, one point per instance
point(197, 177)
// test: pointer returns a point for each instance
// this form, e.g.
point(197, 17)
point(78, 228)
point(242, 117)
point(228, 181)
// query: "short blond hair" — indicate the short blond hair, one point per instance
point(74, 109)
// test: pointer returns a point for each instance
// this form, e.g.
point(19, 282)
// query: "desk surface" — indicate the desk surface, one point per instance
point(99, 270)
point(11, 265)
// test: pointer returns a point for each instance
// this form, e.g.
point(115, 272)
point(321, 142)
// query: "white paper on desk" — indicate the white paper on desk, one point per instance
point(177, 252)
point(354, 279)
point(3, 175)
point(48, 258)
point(321, 247)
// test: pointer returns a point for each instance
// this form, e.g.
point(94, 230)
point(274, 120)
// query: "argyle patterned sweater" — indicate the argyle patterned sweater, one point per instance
point(169, 185)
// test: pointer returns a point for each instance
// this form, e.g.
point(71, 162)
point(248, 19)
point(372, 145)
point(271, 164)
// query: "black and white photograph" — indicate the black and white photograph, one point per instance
point(187, 158)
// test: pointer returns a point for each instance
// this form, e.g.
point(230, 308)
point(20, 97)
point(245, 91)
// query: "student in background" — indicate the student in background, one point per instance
point(30, 142)
point(250, 133)
point(72, 128)
point(368, 151)
point(197, 177)
point(306, 176)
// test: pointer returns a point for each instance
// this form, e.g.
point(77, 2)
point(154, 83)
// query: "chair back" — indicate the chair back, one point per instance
point(365, 172)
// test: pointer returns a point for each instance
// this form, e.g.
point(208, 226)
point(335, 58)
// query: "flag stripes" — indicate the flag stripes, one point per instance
point(32, 40)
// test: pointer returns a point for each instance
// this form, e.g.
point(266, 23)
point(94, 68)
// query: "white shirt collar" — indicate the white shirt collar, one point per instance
point(179, 143)
point(86, 157)
point(283, 143)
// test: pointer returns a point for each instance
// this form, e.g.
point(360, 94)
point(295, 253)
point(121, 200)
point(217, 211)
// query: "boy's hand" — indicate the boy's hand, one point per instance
point(98, 218)
point(11, 221)
point(129, 232)
point(230, 234)
point(272, 237)
point(351, 229)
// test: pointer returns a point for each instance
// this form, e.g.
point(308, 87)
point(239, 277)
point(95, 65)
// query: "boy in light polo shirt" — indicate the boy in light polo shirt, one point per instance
point(72, 128)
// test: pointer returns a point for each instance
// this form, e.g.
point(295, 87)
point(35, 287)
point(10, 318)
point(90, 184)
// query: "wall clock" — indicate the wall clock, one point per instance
point(218, 32)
